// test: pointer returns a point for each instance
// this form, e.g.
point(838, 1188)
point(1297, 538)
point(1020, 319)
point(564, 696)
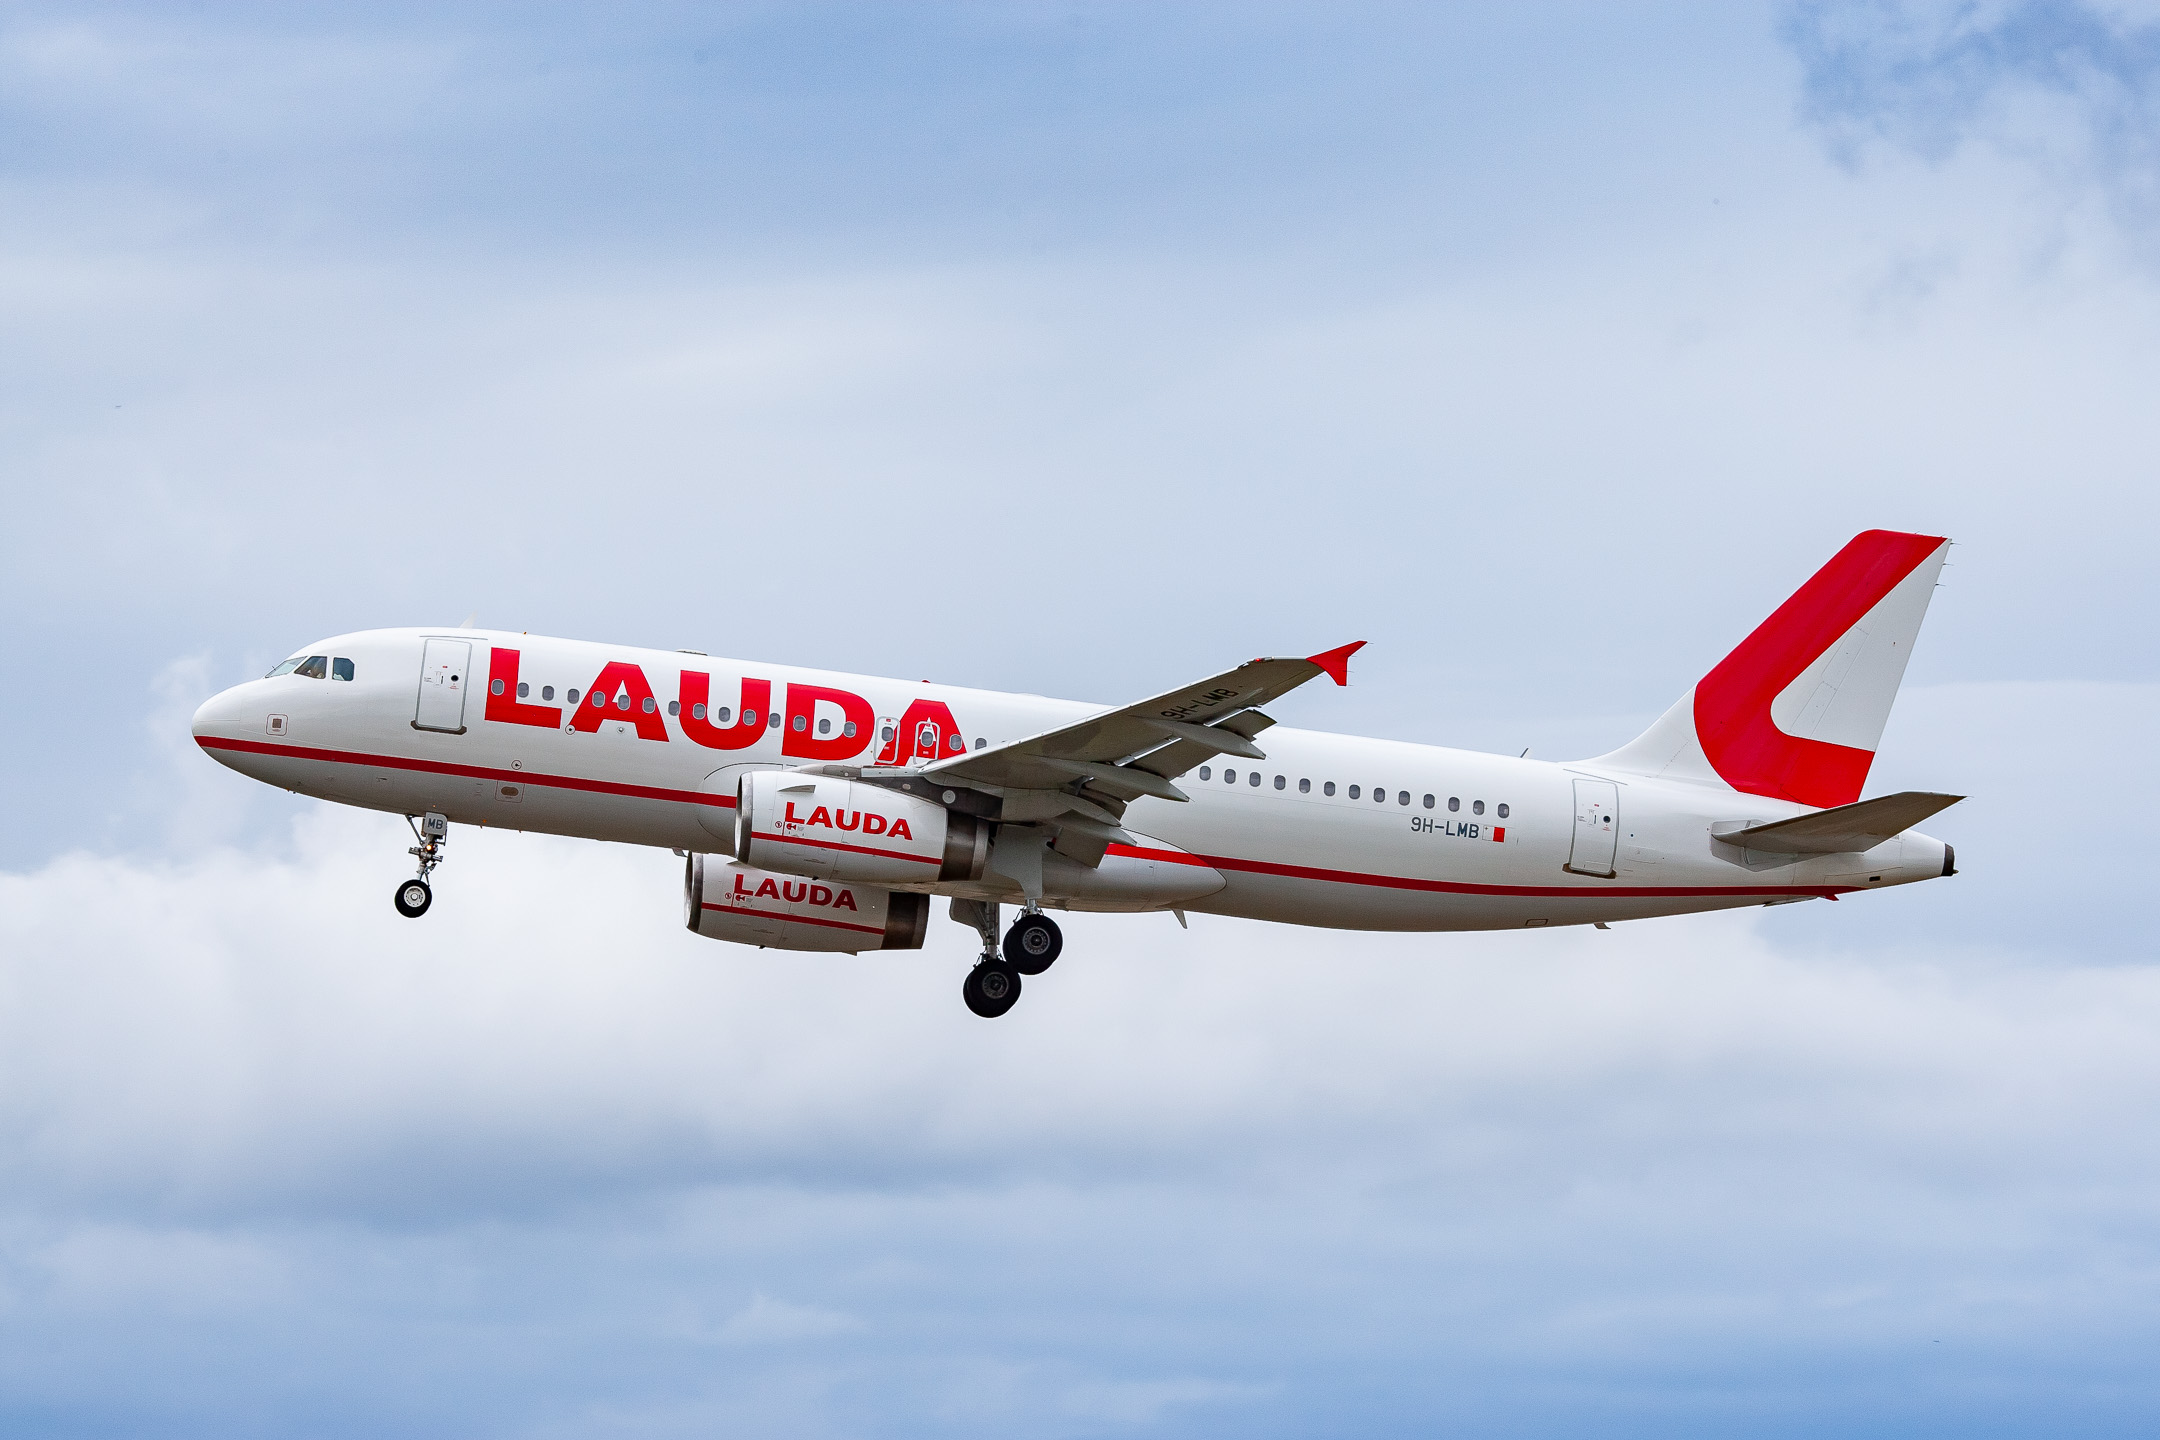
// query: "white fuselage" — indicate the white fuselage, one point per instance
point(1338, 831)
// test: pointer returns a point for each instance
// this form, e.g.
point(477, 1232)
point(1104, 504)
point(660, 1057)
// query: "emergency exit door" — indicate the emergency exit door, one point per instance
point(445, 675)
point(925, 745)
point(1597, 828)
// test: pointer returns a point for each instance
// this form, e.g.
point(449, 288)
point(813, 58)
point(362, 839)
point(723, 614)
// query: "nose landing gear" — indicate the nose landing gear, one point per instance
point(413, 896)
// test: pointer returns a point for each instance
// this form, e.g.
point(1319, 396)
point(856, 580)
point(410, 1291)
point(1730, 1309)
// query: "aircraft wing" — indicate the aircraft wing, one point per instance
point(1135, 750)
point(1861, 826)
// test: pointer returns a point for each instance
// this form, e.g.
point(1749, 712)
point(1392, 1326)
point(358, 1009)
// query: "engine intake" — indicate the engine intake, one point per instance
point(844, 830)
point(727, 900)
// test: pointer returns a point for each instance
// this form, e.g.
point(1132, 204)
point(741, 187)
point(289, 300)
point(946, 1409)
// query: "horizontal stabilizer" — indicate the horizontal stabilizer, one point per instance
point(1846, 828)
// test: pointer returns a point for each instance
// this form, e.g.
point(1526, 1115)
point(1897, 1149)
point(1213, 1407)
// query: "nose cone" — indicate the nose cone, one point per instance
point(218, 720)
point(210, 716)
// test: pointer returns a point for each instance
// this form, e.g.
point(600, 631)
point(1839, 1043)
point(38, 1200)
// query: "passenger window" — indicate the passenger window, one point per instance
point(285, 669)
point(1206, 773)
point(697, 711)
point(650, 705)
point(1328, 788)
point(749, 717)
point(572, 696)
point(978, 742)
point(824, 727)
point(599, 701)
point(494, 687)
point(622, 699)
point(341, 669)
point(1454, 802)
point(1428, 802)
point(886, 735)
point(847, 729)
point(1254, 778)
point(1502, 810)
point(1304, 787)
point(674, 707)
point(772, 719)
point(1356, 793)
point(1229, 777)
point(547, 692)
point(523, 689)
point(1379, 794)
point(1477, 807)
point(959, 744)
point(799, 723)
point(316, 667)
point(1278, 782)
point(1402, 798)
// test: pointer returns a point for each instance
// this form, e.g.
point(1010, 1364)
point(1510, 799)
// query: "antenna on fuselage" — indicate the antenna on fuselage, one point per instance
point(467, 622)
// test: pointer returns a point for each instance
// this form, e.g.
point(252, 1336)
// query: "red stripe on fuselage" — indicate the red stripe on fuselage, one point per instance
point(1455, 887)
point(472, 772)
point(1175, 857)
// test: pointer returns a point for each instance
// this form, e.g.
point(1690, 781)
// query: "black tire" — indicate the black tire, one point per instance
point(1033, 944)
point(412, 897)
point(991, 989)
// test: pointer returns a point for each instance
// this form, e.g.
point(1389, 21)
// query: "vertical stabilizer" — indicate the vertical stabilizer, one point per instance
point(1798, 708)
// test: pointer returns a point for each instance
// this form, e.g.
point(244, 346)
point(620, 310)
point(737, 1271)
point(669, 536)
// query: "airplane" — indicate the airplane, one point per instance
point(818, 811)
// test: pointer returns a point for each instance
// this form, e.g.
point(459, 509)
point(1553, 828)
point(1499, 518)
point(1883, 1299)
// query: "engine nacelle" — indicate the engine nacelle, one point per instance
point(844, 830)
point(727, 900)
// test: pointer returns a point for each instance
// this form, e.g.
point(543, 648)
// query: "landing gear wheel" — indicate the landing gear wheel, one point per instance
point(1033, 943)
point(990, 989)
point(413, 897)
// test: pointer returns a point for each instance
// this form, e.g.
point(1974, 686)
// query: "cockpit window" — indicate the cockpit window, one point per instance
point(341, 669)
point(285, 669)
point(315, 667)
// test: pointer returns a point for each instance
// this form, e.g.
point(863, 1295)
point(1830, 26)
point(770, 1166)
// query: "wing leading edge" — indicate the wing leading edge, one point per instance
point(1138, 749)
point(1064, 791)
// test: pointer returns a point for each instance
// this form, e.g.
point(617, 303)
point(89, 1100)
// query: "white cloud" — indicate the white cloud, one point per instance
point(1701, 1118)
point(232, 85)
point(254, 1031)
point(543, 1162)
point(2069, 90)
point(1145, 1402)
point(766, 1321)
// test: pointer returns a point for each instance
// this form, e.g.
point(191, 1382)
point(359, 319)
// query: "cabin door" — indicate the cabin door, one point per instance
point(445, 675)
point(1597, 828)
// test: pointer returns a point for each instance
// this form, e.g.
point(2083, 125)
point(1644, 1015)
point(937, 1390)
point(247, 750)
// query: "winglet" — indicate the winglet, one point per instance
point(1336, 662)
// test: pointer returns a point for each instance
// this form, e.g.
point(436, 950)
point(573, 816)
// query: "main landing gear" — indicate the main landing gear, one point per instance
point(991, 988)
point(413, 896)
point(1033, 943)
point(1031, 946)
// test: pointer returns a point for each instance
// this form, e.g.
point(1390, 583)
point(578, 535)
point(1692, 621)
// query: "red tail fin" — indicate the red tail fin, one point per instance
point(1798, 708)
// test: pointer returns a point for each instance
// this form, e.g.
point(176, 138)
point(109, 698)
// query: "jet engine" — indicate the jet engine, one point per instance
point(728, 900)
point(844, 830)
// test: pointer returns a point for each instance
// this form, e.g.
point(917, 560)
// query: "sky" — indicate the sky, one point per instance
point(1080, 350)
